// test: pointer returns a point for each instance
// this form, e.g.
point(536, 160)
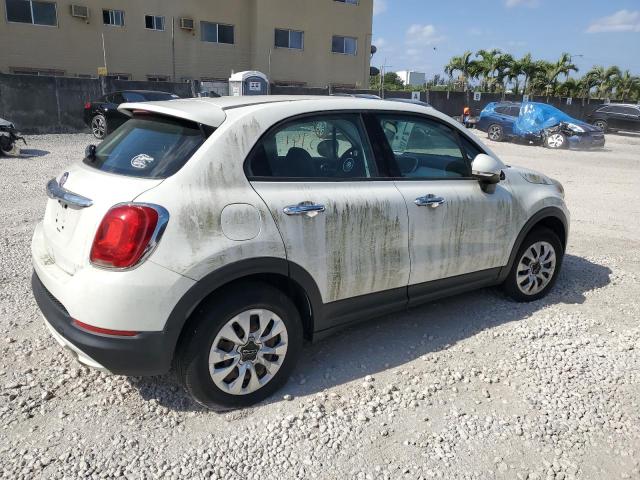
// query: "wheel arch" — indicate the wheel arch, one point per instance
point(287, 276)
point(552, 218)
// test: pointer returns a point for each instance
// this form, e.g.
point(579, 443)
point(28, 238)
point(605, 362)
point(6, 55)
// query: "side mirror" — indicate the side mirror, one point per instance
point(90, 152)
point(487, 169)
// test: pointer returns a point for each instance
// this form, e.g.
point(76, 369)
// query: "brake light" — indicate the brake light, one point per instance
point(104, 331)
point(124, 235)
point(87, 105)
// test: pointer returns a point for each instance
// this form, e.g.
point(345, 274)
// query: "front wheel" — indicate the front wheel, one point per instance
point(536, 266)
point(556, 141)
point(241, 347)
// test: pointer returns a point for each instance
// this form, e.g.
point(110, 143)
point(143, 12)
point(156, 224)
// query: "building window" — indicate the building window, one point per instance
point(32, 11)
point(216, 32)
point(153, 22)
point(351, 2)
point(345, 45)
point(113, 17)
point(157, 78)
point(42, 72)
point(289, 39)
point(119, 76)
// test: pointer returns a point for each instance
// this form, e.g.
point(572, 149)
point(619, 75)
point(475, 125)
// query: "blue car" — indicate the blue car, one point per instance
point(537, 123)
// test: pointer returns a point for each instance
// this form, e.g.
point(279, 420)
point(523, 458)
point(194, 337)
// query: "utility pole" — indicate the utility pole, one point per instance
point(382, 70)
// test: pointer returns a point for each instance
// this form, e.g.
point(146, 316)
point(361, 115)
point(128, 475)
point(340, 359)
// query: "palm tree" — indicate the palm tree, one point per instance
point(541, 80)
point(564, 66)
point(505, 68)
point(609, 81)
point(488, 66)
point(569, 88)
point(466, 66)
point(529, 69)
point(627, 84)
point(593, 79)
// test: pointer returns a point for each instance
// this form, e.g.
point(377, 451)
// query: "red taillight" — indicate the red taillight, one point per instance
point(104, 331)
point(123, 236)
point(87, 105)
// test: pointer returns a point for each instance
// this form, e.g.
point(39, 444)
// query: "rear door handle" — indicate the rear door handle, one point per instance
point(309, 209)
point(429, 200)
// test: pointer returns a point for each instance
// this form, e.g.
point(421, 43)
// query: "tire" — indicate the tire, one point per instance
point(216, 320)
point(99, 126)
point(601, 124)
point(556, 141)
point(495, 132)
point(519, 279)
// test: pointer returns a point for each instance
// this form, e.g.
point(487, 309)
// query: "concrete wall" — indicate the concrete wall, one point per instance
point(55, 104)
point(74, 46)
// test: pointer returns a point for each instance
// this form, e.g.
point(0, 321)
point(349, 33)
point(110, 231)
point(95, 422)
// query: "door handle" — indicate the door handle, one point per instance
point(309, 209)
point(429, 201)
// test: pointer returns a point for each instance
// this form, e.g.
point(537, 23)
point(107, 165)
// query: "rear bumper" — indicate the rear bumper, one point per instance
point(148, 353)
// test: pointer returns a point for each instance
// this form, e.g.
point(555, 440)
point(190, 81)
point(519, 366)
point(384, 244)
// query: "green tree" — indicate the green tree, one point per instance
point(467, 68)
point(488, 67)
point(627, 86)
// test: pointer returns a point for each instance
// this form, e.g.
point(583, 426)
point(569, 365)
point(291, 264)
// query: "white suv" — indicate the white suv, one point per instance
point(215, 235)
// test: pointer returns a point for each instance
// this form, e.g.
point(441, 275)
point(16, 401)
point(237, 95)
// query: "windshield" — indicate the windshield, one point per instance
point(148, 146)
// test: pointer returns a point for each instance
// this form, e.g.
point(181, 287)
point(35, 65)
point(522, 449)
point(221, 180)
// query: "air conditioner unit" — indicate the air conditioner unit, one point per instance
point(186, 23)
point(79, 11)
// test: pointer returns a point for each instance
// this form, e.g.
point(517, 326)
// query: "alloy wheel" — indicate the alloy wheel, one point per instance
point(536, 268)
point(600, 124)
point(98, 126)
point(556, 140)
point(495, 132)
point(248, 351)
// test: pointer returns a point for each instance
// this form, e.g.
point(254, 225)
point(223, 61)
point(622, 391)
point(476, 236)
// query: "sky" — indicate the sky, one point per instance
point(423, 35)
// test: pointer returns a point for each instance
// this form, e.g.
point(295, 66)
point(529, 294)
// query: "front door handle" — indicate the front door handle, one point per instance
point(309, 209)
point(429, 201)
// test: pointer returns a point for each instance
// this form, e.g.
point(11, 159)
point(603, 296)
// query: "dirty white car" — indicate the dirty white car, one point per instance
point(215, 235)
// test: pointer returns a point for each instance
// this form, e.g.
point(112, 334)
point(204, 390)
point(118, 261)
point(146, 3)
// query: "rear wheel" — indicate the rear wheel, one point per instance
point(99, 126)
point(241, 347)
point(536, 266)
point(556, 141)
point(495, 132)
point(601, 124)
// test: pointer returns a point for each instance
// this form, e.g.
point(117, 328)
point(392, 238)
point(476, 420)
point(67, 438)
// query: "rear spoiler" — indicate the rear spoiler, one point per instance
point(191, 109)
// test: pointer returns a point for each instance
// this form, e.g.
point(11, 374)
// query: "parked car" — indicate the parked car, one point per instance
point(619, 116)
point(215, 235)
point(537, 123)
point(9, 137)
point(102, 115)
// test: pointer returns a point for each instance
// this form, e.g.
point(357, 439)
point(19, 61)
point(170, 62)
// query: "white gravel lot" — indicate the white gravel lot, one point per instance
point(471, 387)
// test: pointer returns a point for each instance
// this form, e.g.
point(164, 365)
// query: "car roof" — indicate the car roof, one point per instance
point(212, 111)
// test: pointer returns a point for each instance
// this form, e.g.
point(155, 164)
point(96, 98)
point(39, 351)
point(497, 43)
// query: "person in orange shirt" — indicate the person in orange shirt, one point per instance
point(466, 115)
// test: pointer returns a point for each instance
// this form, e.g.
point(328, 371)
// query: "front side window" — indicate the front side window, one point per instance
point(32, 11)
point(216, 32)
point(344, 45)
point(322, 147)
point(424, 148)
point(154, 22)
point(289, 39)
point(113, 17)
point(148, 146)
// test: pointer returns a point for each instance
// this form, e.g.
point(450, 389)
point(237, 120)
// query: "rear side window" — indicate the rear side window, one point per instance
point(323, 147)
point(148, 147)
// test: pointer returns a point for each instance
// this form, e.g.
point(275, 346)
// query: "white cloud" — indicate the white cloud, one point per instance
point(380, 42)
point(621, 21)
point(522, 3)
point(423, 36)
point(379, 6)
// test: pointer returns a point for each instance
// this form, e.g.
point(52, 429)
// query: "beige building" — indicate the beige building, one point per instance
point(294, 42)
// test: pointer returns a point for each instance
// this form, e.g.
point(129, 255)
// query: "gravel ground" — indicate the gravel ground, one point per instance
point(470, 387)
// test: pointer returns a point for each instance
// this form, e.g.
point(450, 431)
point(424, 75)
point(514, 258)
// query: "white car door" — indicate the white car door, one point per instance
point(339, 220)
point(455, 228)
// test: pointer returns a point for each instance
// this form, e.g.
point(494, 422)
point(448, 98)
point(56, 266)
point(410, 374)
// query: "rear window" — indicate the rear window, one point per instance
point(148, 147)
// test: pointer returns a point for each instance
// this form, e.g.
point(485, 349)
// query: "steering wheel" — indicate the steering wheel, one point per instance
point(351, 163)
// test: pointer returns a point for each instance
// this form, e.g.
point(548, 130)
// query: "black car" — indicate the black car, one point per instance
point(102, 115)
point(619, 116)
